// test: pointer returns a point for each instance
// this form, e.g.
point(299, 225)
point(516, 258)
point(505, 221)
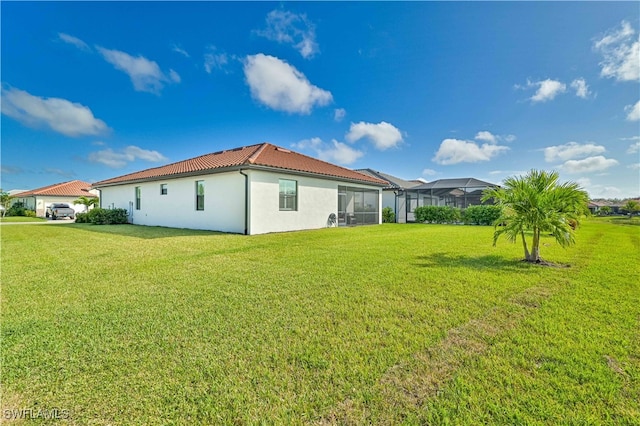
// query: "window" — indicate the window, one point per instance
point(288, 194)
point(199, 195)
point(163, 189)
point(137, 198)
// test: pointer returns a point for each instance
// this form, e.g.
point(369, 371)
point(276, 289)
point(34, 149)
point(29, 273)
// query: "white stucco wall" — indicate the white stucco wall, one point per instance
point(317, 199)
point(389, 200)
point(223, 202)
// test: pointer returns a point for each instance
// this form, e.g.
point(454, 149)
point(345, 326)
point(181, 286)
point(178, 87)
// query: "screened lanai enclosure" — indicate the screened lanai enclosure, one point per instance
point(460, 193)
point(358, 206)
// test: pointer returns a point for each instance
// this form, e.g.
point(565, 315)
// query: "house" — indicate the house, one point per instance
point(394, 193)
point(65, 192)
point(249, 190)
point(404, 196)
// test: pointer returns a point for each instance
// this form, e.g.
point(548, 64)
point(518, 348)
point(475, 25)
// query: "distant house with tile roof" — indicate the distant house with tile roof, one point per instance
point(403, 196)
point(249, 190)
point(394, 194)
point(65, 192)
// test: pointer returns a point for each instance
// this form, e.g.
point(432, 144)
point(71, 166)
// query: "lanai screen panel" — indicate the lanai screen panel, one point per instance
point(358, 206)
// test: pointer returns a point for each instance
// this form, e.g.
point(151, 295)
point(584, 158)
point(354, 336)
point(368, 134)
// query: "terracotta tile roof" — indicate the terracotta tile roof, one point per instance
point(74, 188)
point(264, 154)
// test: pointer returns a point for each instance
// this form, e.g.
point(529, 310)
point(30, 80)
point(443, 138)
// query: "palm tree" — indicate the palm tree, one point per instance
point(5, 201)
point(604, 210)
point(537, 203)
point(631, 206)
point(87, 201)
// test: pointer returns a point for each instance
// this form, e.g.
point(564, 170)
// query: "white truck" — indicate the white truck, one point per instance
point(58, 210)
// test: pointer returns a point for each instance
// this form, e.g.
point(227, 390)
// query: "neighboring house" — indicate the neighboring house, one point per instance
point(394, 194)
point(249, 190)
point(65, 192)
point(460, 193)
point(404, 196)
point(595, 206)
point(616, 206)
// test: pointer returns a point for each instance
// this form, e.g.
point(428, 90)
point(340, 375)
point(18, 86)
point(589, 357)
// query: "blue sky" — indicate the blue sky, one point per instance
point(418, 90)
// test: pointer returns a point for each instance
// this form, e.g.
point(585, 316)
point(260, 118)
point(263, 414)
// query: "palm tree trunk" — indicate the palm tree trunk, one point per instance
point(524, 244)
point(535, 246)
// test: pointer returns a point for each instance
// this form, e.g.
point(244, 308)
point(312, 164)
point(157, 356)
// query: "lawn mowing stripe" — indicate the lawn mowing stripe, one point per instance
point(408, 385)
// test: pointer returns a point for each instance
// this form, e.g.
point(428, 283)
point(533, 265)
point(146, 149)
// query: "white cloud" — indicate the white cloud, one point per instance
point(180, 50)
point(429, 172)
point(633, 112)
point(60, 115)
point(214, 60)
point(59, 172)
point(589, 164)
point(145, 74)
point(75, 41)
point(620, 49)
point(581, 88)
point(508, 172)
point(10, 170)
point(174, 76)
point(584, 182)
point(339, 114)
point(383, 135)
point(634, 148)
point(336, 152)
point(486, 137)
point(571, 150)
point(308, 143)
point(291, 28)
point(635, 166)
point(547, 90)
point(280, 86)
point(131, 153)
point(340, 153)
point(454, 151)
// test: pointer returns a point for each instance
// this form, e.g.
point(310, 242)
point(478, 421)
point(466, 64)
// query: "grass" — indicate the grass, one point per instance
point(413, 324)
point(620, 220)
point(21, 219)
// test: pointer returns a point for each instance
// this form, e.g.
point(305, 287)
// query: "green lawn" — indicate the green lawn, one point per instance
point(414, 324)
point(21, 219)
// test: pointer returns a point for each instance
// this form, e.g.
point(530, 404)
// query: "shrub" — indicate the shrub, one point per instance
point(437, 214)
point(82, 218)
point(17, 209)
point(481, 215)
point(98, 216)
point(388, 216)
point(30, 213)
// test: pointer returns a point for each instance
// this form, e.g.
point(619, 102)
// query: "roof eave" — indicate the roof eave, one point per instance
point(99, 185)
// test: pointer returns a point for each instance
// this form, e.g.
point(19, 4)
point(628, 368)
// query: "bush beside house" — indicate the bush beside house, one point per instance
point(472, 215)
point(98, 216)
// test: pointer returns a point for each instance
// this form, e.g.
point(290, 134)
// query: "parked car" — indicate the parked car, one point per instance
point(57, 210)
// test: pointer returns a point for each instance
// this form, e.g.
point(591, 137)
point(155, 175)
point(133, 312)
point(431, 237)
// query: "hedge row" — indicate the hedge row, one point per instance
point(98, 216)
point(476, 215)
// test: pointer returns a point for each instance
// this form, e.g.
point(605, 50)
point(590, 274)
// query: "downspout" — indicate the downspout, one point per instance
point(246, 201)
point(395, 207)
